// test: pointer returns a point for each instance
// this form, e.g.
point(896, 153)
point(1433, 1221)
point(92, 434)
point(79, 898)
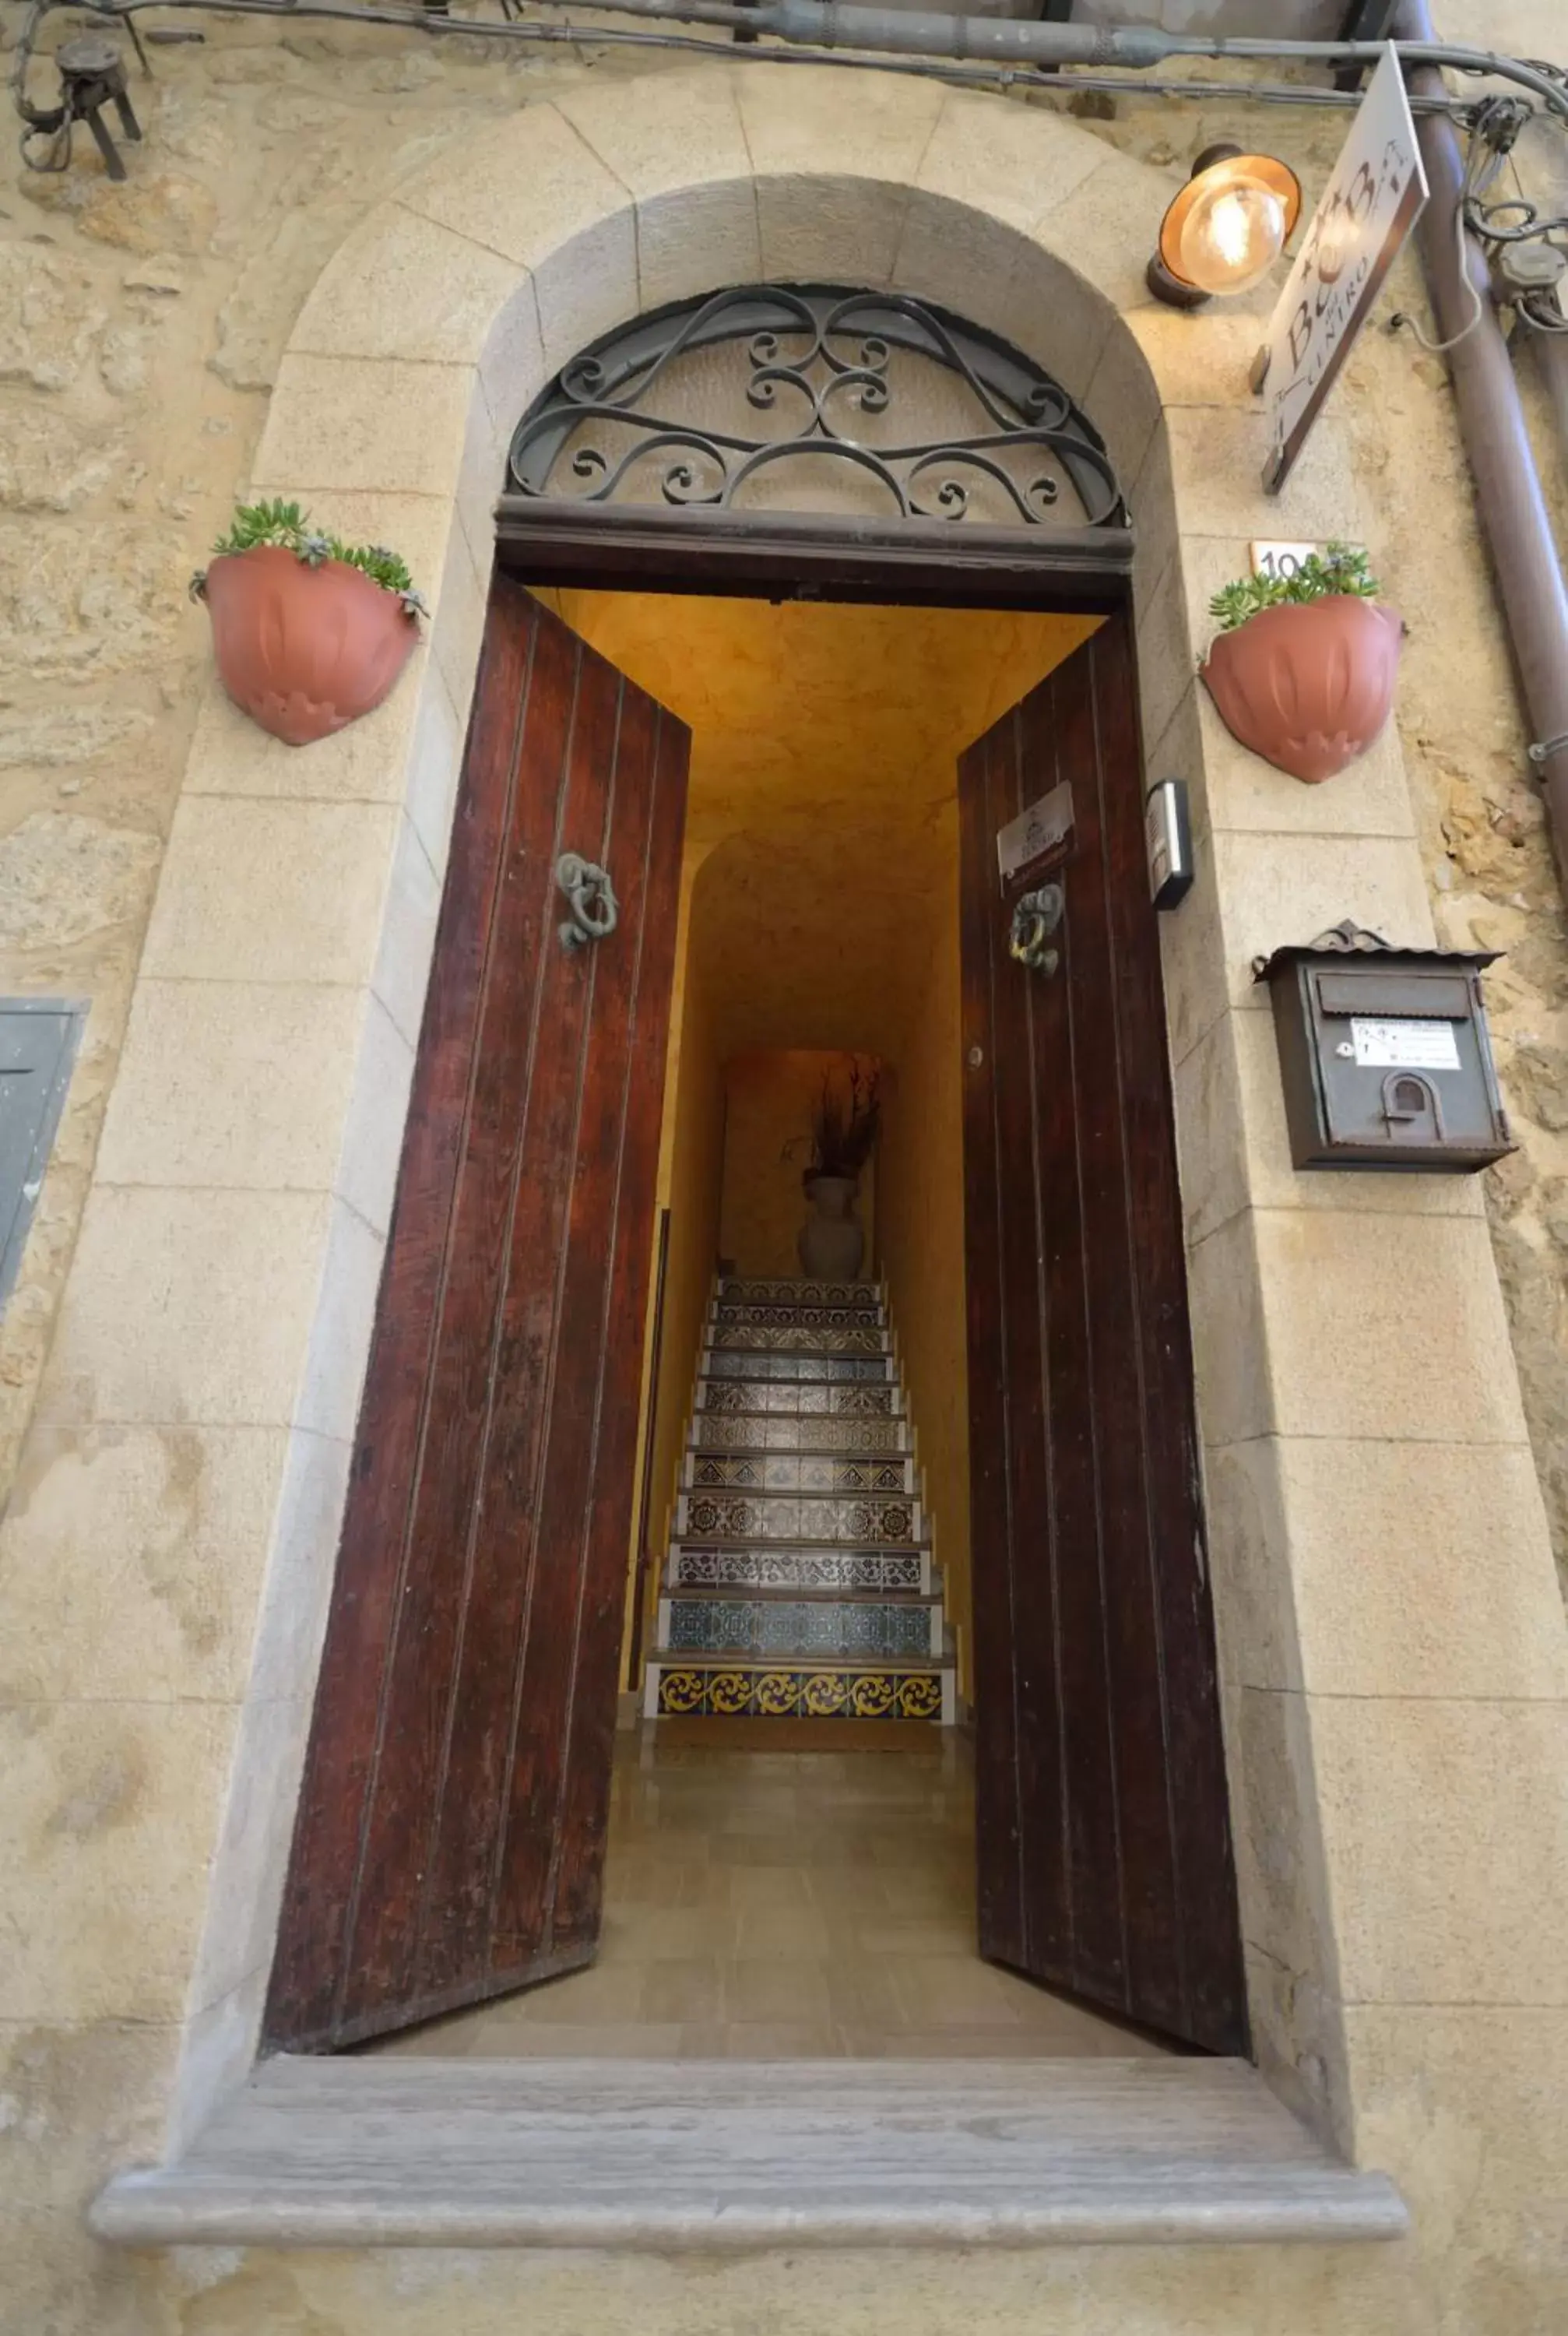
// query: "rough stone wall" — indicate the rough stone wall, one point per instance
point(140, 327)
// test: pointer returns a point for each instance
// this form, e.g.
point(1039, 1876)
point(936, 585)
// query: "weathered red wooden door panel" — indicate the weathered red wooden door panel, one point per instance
point(1103, 1838)
point(449, 1844)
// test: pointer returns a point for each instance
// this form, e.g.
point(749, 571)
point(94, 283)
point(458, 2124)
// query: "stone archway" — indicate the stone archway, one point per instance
point(428, 333)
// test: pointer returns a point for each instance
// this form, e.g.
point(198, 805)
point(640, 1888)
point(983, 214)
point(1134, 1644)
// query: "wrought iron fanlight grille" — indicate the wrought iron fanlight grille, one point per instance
point(820, 399)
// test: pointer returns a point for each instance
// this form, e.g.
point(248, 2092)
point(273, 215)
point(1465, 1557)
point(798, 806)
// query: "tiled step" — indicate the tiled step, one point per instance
point(798, 1471)
point(836, 1398)
point(796, 1432)
point(737, 1290)
point(798, 1338)
point(830, 1369)
point(780, 1628)
point(801, 1566)
point(708, 1687)
point(866, 1520)
point(869, 1313)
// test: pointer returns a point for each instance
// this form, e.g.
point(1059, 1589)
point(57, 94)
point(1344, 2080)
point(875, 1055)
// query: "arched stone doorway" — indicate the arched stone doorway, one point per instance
point(452, 1837)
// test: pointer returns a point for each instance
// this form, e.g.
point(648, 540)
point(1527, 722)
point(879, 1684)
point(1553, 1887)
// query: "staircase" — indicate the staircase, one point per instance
point(799, 1582)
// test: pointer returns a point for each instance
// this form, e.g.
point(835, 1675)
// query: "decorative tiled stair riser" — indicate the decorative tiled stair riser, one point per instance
point(837, 1402)
point(799, 1583)
point(794, 1432)
point(797, 1471)
point(771, 1694)
point(720, 1364)
point(868, 1570)
point(781, 1516)
point(856, 1630)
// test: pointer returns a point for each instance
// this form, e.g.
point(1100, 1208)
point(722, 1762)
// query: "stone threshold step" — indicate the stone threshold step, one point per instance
point(354, 2152)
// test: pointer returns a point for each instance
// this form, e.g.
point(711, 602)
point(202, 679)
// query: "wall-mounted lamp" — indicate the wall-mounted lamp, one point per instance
point(1226, 228)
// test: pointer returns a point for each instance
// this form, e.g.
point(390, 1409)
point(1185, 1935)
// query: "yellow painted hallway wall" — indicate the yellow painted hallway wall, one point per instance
point(820, 908)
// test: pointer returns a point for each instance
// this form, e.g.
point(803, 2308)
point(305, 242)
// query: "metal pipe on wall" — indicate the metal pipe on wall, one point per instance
point(1497, 447)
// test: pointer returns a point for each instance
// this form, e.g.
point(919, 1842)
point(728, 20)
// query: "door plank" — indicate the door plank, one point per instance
point(486, 1508)
point(1102, 1816)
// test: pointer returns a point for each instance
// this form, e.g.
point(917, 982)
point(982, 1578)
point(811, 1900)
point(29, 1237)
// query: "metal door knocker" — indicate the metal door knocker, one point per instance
point(1035, 916)
point(590, 897)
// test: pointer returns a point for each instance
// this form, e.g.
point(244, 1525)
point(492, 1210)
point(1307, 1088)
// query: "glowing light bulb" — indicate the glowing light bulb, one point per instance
point(1231, 237)
point(1226, 228)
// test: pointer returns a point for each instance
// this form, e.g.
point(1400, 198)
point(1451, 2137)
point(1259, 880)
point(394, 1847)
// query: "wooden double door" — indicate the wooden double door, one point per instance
point(450, 1840)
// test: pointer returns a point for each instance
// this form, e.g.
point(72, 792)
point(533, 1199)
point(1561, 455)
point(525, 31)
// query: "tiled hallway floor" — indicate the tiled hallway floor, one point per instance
point(776, 1904)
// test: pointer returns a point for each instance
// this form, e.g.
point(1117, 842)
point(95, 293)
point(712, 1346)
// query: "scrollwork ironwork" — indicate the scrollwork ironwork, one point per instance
point(618, 424)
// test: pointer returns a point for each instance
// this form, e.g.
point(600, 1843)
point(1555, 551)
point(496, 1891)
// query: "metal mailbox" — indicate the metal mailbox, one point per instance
point(1385, 1055)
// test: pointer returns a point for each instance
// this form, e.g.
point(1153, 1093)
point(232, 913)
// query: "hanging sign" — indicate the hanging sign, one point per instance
point(1369, 207)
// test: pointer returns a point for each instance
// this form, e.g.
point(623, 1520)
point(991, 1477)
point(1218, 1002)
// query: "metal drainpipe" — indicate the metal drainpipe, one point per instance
point(1497, 447)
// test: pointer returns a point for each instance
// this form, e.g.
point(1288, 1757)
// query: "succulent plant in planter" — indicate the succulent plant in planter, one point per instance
point(309, 632)
point(1302, 669)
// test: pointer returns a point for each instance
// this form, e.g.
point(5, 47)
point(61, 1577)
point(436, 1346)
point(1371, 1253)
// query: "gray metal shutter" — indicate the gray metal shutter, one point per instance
point(38, 1041)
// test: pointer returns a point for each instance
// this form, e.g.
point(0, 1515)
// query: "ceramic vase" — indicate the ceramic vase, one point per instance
point(304, 651)
point(1308, 685)
point(833, 1242)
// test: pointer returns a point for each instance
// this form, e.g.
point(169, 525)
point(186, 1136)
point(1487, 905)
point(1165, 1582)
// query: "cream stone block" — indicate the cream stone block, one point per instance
point(1230, 1358)
point(80, 2103)
point(329, 1401)
point(132, 1560)
point(1383, 1327)
point(375, 424)
point(243, 1084)
point(1122, 399)
point(402, 286)
point(1151, 492)
point(1468, 2107)
point(1217, 459)
point(533, 190)
point(1104, 230)
point(482, 479)
point(985, 271)
point(1234, 1150)
point(878, 126)
point(291, 1618)
point(1203, 356)
point(1239, 790)
point(1192, 951)
point(1274, 888)
point(188, 1307)
point(366, 1176)
point(1445, 1831)
point(511, 368)
point(1421, 1570)
point(252, 1853)
point(696, 240)
point(985, 175)
point(272, 891)
point(676, 141)
point(1250, 1559)
point(1013, 163)
point(407, 934)
point(106, 1825)
point(526, 187)
point(834, 167)
point(218, 2050)
point(1164, 646)
point(1286, 1919)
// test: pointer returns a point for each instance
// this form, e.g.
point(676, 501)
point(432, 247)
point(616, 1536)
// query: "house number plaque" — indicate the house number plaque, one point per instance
point(1038, 830)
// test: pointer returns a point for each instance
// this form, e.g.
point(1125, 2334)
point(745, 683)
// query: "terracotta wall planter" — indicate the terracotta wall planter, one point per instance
point(1308, 685)
point(304, 651)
